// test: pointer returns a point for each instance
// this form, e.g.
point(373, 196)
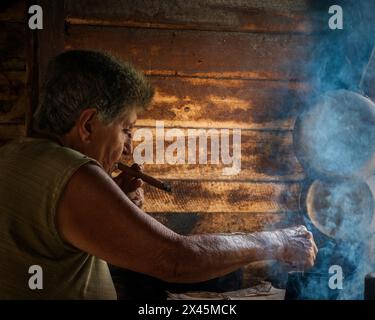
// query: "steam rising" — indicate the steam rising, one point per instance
point(342, 146)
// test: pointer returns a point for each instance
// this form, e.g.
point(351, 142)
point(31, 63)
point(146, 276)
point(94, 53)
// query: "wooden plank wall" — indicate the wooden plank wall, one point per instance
point(215, 64)
point(14, 75)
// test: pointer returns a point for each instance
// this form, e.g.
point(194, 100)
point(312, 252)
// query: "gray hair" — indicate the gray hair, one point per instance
point(81, 79)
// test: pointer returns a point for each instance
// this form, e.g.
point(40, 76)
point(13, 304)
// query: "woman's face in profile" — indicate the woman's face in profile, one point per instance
point(111, 141)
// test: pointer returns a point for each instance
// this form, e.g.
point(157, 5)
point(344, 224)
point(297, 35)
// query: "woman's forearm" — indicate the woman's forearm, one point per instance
point(202, 257)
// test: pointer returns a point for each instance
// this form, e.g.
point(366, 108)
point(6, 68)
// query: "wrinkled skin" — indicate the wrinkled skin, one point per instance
point(132, 186)
point(297, 248)
point(107, 143)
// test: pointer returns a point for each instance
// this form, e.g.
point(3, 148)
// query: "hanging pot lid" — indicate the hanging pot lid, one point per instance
point(341, 210)
point(335, 138)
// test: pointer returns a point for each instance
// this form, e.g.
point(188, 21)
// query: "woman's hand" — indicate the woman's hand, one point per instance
point(131, 186)
point(297, 247)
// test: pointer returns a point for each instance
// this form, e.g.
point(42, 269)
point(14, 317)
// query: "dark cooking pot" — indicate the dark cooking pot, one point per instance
point(309, 286)
point(335, 137)
point(369, 291)
point(340, 214)
point(320, 286)
point(342, 210)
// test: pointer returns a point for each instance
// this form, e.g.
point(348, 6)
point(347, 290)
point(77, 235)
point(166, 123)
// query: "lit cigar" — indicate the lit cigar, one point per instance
point(146, 178)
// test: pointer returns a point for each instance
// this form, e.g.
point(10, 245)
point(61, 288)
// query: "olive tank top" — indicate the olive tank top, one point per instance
point(35, 262)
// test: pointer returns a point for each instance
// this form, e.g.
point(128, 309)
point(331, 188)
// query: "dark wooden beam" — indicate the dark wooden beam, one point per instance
point(43, 46)
point(51, 38)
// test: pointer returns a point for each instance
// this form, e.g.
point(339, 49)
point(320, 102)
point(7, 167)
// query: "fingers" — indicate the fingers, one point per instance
point(311, 254)
point(309, 236)
point(123, 178)
point(134, 184)
point(137, 167)
point(138, 203)
point(301, 250)
point(128, 183)
point(303, 232)
point(301, 228)
point(314, 248)
point(137, 197)
point(296, 231)
point(310, 261)
point(138, 182)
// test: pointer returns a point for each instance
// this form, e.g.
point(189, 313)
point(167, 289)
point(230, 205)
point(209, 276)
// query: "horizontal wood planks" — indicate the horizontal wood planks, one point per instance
point(245, 104)
point(242, 15)
point(12, 46)
point(13, 11)
point(13, 73)
point(265, 156)
point(218, 196)
point(217, 222)
point(13, 99)
point(200, 53)
point(215, 65)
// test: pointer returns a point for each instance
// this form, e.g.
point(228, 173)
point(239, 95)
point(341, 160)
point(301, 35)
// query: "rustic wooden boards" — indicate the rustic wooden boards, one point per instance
point(265, 156)
point(217, 222)
point(200, 53)
point(215, 64)
point(12, 46)
point(13, 10)
point(204, 200)
point(224, 197)
point(13, 98)
point(218, 15)
point(223, 103)
point(51, 38)
point(13, 73)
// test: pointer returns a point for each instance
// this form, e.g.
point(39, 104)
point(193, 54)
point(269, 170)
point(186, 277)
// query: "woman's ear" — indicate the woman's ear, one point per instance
point(85, 124)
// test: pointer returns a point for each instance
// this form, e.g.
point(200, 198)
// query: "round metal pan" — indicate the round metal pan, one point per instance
point(335, 137)
point(341, 210)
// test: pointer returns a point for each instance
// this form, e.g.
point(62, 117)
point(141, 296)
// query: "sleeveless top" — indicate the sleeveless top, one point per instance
point(35, 262)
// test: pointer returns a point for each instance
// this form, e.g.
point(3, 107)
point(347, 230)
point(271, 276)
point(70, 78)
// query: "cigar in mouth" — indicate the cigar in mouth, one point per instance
point(146, 178)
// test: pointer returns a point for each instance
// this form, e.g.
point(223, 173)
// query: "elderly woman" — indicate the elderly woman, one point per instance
point(61, 210)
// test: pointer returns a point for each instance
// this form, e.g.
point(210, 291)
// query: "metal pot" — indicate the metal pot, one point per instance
point(335, 137)
point(341, 210)
point(309, 286)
